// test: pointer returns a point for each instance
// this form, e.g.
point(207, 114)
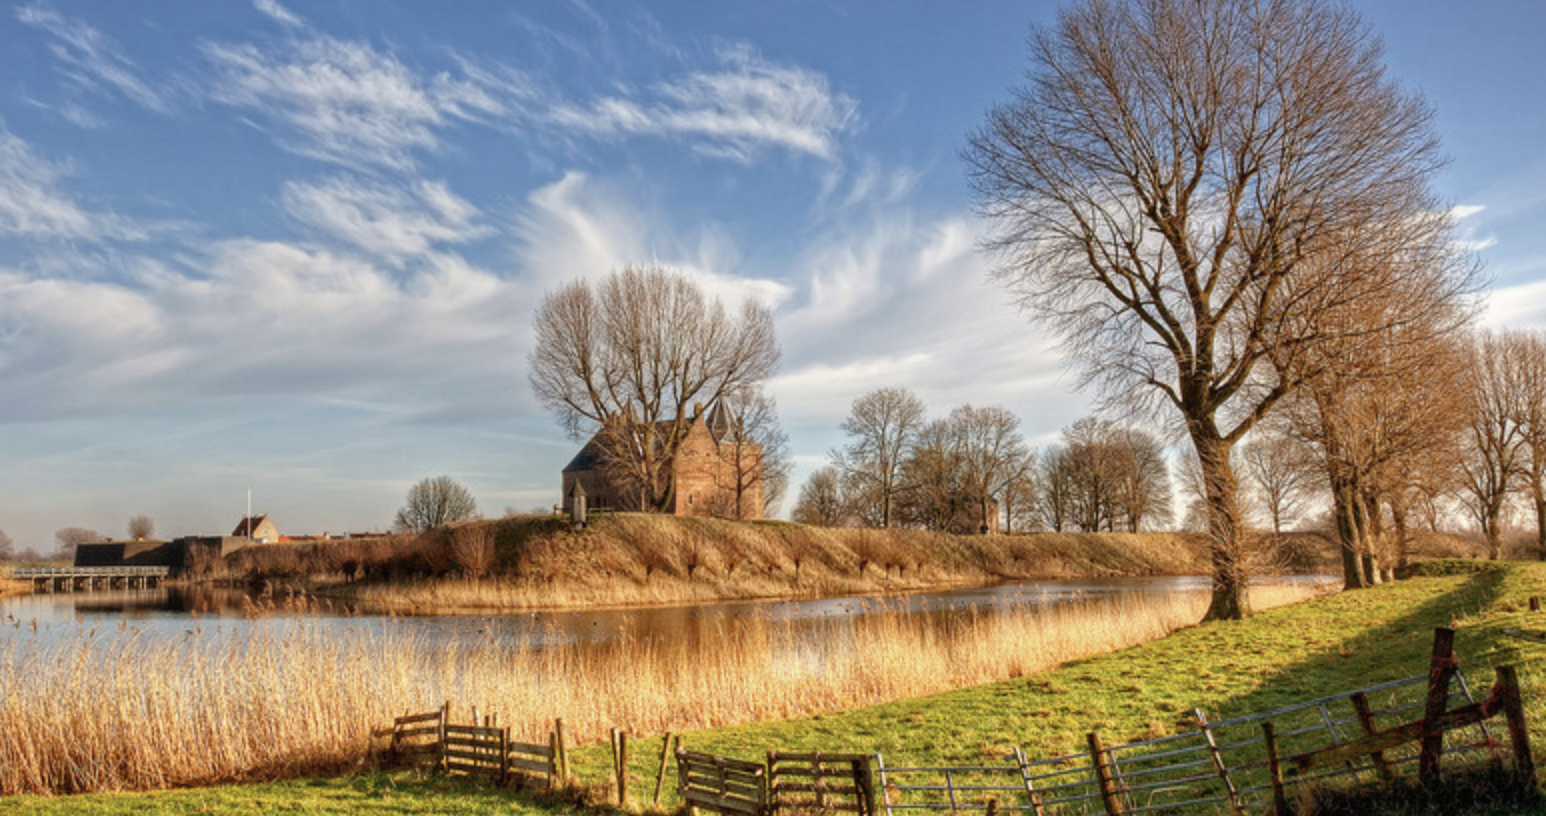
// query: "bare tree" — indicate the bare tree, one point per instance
point(936, 494)
point(141, 528)
point(472, 548)
point(1022, 495)
point(755, 451)
point(1281, 472)
point(637, 358)
point(1532, 419)
point(821, 501)
point(1057, 489)
point(1493, 451)
point(69, 538)
point(881, 427)
point(1176, 188)
point(991, 450)
point(435, 502)
point(7, 547)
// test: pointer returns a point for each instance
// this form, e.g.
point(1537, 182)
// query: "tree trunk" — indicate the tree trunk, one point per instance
point(1231, 600)
point(1398, 517)
point(1374, 537)
point(1347, 511)
point(1540, 520)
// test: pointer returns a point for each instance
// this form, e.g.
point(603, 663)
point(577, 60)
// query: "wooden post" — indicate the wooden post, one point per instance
point(440, 733)
point(563, 752)
point(1030, 784)
point(620, 763)
point(1366, 721)
point(1518, 734)
point(504, 755)
point(864, 780)
point(1535, 603)
point(1441, 667)
point(1108, 790)
point(1218, 764)
point(660, 776)
point(1269, 734)
point(992, 807)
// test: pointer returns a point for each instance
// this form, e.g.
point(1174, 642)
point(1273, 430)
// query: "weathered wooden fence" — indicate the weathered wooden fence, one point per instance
point(721, 784)
point(430, 739)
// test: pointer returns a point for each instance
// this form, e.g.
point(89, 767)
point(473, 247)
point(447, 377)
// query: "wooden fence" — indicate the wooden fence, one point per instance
point(430, 739)
point(1238, 765)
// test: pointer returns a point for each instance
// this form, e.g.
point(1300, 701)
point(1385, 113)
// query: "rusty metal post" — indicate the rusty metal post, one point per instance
point(1441, 667)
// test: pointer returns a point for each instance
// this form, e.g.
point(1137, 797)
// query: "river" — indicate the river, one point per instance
point(174, 611)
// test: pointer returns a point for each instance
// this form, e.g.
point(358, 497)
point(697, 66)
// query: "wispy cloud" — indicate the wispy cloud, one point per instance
point(91, 60)
point(748, 105)
point(279, 14)
point(33, 205)
point(350, 104)
point(391, 222)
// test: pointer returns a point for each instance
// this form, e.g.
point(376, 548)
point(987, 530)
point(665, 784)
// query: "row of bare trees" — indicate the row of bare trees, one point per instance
point(901, 469)
point(972, 471)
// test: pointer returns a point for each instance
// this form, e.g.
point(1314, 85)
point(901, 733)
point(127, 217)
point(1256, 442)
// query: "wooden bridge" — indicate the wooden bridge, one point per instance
point(86, 579)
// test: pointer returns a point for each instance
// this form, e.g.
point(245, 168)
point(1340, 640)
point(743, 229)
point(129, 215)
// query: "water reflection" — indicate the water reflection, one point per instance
point(177, 610)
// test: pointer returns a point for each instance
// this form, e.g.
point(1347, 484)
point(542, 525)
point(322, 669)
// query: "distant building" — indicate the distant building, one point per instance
point(708, 468)
point(260, 529)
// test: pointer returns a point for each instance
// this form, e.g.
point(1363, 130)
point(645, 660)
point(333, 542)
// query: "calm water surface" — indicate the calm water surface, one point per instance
point(177, 612)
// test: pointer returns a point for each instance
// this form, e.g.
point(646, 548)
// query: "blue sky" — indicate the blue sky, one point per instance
point(295, 248)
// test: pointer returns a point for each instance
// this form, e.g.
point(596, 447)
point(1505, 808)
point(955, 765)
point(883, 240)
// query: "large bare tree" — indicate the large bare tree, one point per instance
point(637, 358)
point(881, 427)
point(1176, 187)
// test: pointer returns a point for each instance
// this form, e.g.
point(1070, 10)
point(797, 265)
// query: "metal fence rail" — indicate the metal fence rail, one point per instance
point(1220, 768)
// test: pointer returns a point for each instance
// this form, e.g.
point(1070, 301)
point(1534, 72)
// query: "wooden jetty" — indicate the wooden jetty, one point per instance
point(86, 579)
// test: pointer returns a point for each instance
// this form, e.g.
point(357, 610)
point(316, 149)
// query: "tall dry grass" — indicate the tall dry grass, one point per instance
point(111, 710)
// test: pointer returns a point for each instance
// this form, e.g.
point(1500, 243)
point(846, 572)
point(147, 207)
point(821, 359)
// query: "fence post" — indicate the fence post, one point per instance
point(563, 752)
point(620, 762)
point(504, 755)
point(440, 733)
point(1108, 791)
point(660, 776)
point(1440, 668)
point(1366, 720)
point(1218, 763)
point(1030, 784)
point(864, 780)
point(1518, 734)
point(1269, 734)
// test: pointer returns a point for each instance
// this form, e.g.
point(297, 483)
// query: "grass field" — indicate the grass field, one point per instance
point(1280, 656)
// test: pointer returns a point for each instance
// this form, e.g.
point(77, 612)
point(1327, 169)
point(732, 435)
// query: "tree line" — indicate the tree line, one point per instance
point(972, 471)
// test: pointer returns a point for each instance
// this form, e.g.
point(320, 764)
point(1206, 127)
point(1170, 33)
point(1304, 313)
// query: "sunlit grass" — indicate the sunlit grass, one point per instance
point(114, 710)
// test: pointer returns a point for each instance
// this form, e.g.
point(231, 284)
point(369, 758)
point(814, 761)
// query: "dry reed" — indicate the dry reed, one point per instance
point(130, 710)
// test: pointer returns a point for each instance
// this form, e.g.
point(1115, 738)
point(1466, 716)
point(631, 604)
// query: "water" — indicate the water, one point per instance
point(177, 612)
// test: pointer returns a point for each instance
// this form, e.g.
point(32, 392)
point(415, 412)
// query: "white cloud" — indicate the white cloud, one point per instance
point(746, 106)
point(277, 13)
point(1522, 306)
point(33, 205)
point(347, 103)
point(258, 319)
point(91, 60)
point(391, 222)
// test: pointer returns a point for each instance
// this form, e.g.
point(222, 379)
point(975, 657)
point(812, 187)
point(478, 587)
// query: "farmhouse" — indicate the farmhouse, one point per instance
point(716, 472)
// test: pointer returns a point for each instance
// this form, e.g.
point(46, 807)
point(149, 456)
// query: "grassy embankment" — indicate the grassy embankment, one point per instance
point(635, 559)
point(1283, 655)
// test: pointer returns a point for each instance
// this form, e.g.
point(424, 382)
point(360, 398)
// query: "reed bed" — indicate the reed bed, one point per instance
point(120, 709)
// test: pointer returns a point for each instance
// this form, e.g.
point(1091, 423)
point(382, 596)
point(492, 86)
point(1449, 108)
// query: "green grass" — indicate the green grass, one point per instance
point(1285, 655)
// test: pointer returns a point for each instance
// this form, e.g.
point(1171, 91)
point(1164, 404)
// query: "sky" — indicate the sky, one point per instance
point(295, 249)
